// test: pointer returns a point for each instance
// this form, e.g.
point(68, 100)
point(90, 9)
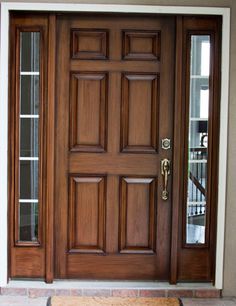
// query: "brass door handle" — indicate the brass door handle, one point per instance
point(165, 172)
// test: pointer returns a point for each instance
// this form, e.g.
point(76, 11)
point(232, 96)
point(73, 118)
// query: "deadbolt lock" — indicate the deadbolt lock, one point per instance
point(165, 143)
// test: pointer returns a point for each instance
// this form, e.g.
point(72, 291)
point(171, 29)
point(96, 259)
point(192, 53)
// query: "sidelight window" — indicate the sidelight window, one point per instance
point(29, 117)
point(198, 139)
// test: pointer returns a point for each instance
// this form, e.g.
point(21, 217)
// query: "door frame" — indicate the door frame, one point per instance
point(224, 12)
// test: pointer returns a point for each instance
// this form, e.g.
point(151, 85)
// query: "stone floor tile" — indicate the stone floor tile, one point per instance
point(208, 302)
point(229, 302)
point(42, 301)
point(13, 299)
point(22, 301)
point(37, 302)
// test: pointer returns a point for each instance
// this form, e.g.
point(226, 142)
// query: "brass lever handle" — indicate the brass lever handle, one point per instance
point(165, 172)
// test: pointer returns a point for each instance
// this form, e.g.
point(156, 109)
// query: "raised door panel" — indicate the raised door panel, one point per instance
point(88, 112)
point(89, 44)
point(141, 45)
point(138, 215)
point(139, 113)
point(87, 214)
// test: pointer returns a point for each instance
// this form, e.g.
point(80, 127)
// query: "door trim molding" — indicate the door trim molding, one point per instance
point(4, 41)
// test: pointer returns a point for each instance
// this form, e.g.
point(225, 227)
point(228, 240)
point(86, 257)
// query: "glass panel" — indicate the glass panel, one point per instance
point(29, 96)
point(28, 221)
point(28, 179)
point(29, 136)
point(29, 54)
point(198, 139)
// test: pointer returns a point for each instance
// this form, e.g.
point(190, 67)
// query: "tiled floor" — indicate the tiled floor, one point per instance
point(210, 302)
point(22, 301)
point(25, 301)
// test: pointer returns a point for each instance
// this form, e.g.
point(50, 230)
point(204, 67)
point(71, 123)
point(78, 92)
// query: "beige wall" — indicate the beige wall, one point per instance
point(230, 233)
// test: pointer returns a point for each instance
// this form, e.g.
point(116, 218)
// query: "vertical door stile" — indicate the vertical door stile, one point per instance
point(50, 174)
point(177, 151)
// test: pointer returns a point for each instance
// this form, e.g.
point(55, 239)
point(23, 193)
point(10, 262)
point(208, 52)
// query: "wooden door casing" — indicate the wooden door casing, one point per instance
point(101, 174)
point(115, 82)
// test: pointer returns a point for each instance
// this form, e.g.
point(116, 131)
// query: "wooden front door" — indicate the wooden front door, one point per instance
point(114, 105)
point(93, 102)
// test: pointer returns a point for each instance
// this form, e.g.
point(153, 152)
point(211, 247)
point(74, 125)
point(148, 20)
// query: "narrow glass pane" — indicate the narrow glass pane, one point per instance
point(29, 54)
point(28, 221)
point(28, 134)
point(198, 139)
point(29, 94)
point(28, 179)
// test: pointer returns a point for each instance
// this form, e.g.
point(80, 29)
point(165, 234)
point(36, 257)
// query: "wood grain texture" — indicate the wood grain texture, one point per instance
point(107, 92)
point(89, 44)
point(27, 258)
point(141, 45)
point(138, 215)
point(88, 112)
point(88, 146)
point(49, 239)
point(203, 265)
point(177, 154)
point(87, 214)
point(139, 113)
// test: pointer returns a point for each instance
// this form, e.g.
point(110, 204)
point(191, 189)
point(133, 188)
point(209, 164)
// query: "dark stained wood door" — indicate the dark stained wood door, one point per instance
point(114, 105)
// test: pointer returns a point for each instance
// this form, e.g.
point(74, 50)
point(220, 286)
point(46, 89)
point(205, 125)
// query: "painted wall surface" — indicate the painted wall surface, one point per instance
point(230, 241)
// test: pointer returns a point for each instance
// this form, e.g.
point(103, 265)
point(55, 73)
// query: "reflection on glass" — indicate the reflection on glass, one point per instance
point(29, 136)
point(28, 179)
point(29, 94)
point(198, 139)
point(29, 51)
point(28, 221)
